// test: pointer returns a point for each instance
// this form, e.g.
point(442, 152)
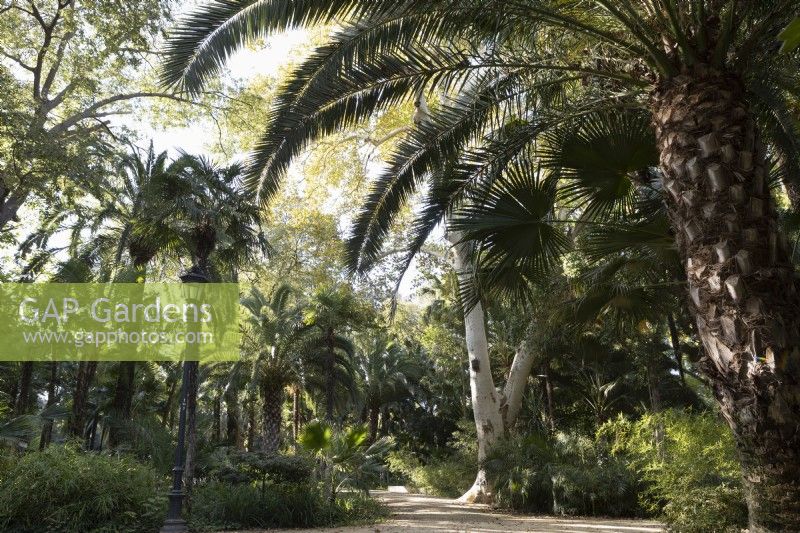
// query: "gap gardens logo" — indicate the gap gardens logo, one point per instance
point(119, 321)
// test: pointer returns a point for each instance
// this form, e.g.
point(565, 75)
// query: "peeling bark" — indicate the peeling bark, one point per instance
point(743, 288)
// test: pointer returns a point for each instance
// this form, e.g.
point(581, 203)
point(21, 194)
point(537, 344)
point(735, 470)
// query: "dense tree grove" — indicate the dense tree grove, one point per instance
point(534, 253)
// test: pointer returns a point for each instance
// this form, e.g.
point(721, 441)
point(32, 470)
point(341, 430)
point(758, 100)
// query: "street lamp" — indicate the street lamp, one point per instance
point(174, 522)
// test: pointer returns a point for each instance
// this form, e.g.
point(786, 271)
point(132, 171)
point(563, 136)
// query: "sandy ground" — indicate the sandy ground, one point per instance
point(414, 512)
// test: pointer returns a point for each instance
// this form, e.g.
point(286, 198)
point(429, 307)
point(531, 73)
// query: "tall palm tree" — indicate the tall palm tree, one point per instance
point(707, 74)
point(327, 315)
point(272, 331)
point(204, 213)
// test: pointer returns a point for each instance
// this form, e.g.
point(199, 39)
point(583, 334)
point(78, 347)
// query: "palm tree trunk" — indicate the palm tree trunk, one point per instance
point(217, 414)
point(272, 418)
point(295, 413)
point(47, 429)
point(83, 383)
point(24, 390)
point(233, 431)
point(122, 401)
point(742, 286)
point(330, 382)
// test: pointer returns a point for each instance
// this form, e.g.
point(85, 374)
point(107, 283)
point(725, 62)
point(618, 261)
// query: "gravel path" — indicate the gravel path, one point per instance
point(415, 512)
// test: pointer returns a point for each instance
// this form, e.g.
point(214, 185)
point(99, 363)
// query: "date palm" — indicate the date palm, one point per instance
point(707, 74)
point(272, 331)
point(327, 316)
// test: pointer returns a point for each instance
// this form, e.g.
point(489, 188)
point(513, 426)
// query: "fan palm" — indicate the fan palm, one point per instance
point(706, 72)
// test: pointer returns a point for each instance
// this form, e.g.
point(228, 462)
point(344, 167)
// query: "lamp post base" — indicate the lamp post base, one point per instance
point(174, 525)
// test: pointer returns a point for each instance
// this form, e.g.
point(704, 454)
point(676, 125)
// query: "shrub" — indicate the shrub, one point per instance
point(440, 475)
point(346, 459)
point(65, 490)
point(565, 475)
point(246, 467)
point(447, 476)
point(692, 477)
point(218, 505)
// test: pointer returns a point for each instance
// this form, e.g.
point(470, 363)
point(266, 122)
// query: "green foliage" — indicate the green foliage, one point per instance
point(249, 467)
point(693, 478)
point(347, 460)
point(444, 474)
point(64, 490)
point(565, 474)
point(790, 36)
point(316, 436)
point(448, 476)
point(218, 505)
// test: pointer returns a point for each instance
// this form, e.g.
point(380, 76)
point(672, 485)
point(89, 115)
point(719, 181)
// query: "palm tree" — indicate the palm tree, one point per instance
point(705, 72)
point(203, 213)
point(389, 374)
point(272, 331)
point(331, 310)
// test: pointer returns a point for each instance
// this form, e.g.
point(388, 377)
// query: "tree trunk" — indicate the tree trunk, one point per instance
point(251, 426)
point(167, 409)
point(233, 431)
point(517, 382)
point(330, 382)
point(653, 387)
point(10, 202)
point(217, 414)
point(676, 346)
point(486, 403)
point(742, 286)
point(295, 413)
point(47, 429)
point(191, 426)
point(121, 402)
point(548, 391)
point(374, 411)
point(25, 385)
point(83, 383)
point(272, 411)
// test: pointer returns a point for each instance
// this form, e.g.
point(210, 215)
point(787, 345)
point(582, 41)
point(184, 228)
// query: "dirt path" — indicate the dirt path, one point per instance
point(414, 512)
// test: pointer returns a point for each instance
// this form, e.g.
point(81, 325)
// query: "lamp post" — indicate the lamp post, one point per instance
point(175, 522)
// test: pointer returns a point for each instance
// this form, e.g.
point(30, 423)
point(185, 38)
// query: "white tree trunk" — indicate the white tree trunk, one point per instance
point(517, 381)
point(486, 403)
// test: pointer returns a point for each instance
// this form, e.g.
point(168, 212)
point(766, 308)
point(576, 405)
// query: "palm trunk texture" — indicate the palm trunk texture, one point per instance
point(272, 418)
point(742, 286)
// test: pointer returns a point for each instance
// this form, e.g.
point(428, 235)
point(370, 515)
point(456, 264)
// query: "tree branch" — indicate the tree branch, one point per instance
point(17, 60)
point(91, 111)
point(51, 73)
